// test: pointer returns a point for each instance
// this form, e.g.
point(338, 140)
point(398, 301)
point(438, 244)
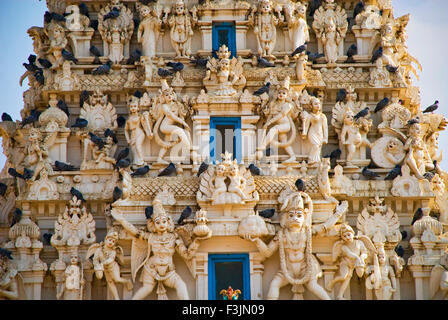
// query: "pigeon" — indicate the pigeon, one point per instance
point(263, 63)
point(61, 166)
point(6, 253)
point(96, 53)
point(47, 17)
point(57, 17)
point(39, 76)
point(202, 168)
point(27, 174)
point(254, 170)
point(31, 67)
point(170, 169)
point(184, 215)
point(358, 9)
point(429, 176)
point(267, 213)
point(314, 5)
point(63, 106)
point(84, 10)
point(352, 50)
point(67, 55)
point(96, 140)
point(372, 165)
point(76, 193)
point(395, 172)
point(163, 73)
point(361, 114)
point(382, 104)
point(103, 69)
point(400, 251)
point(391, 69)
point(123, 163)
point(16, 216)
point(314, 56)
point(299, 49)
point(94, 24)
point(13, 173)
point(140, 171)
point(432, 107)
point(6, 117)
point(369, 174)
point(341, 96)
point(136, 23)
point(376, 55)
point(80, 123)
point(149, 212)
point(412, 121)
point(200, 62)
point(138, 94)
point(122, 154)
point(134, 57)
point(417, 216)
point(117, 194)
point(33, 117)
point(113, 14)
point(300, 185)
point(146, 2)
point(45, 63)
point(110, 133)
point(32, 58)
point(176, 66)
point(47, 238)
point(121, 121)
point(3, 188)
point(335, 154)
point(83, 97)
point(268, 152)
point(263, 89)
point(404, 235)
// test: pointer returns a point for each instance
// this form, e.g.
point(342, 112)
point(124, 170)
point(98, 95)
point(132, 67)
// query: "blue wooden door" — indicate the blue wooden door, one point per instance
point(226, 270)
point(224, 33)
point(225, 135)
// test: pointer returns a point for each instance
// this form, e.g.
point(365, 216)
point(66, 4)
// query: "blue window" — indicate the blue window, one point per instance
point(224, 33)
point(225, 135)
point(226, 270)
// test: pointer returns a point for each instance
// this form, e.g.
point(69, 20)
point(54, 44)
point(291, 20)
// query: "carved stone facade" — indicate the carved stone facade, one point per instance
point(215, 129)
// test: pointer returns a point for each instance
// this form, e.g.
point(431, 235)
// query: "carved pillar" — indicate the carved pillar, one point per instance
point(249, 138)
point(256, 275)
point(241, 34)
point(421, 275)
point(201, 136)
point(364, 40)
point(328, 270)
point(200, 269)
point(206, 31)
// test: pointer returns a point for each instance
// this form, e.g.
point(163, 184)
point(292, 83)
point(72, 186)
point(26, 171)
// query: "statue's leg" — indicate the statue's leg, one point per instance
point(276, 283)
point(176, 282)
point(117, 277)
point(148, 285)
point(315, 288)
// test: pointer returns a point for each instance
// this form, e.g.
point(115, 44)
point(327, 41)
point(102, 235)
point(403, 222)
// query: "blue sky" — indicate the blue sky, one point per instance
point(427, 41)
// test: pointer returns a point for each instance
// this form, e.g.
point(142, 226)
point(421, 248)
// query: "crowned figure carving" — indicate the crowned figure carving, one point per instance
point(149, 28)
point(227, 183)
point(75, 21)
point(298, 266)
point(295, 17)
point(11, 281)
point(116, 32)
point(153, 250)
point(330, 24)
point(352, 132)
point(99, 112)
point(224, 76)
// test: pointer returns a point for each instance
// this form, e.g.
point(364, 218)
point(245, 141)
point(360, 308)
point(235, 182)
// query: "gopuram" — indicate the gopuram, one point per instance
point(249, 149)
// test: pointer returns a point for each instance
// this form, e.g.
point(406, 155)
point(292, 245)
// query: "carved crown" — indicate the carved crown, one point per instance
point(224, 52)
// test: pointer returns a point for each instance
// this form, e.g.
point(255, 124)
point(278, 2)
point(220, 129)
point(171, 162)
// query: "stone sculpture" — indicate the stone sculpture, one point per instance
point(149, 29)
point(153, 250)
point(439, 278)
point(298, 31)
point(9, 283)
point(381, 277)
point(73, 285)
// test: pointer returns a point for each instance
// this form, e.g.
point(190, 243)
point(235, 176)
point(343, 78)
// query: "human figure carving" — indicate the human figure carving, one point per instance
point(149, 29)
point(315, 129)
point(9, 288)
point(73, 285)
point(153, 250)
point(381, 277)
point(295, 15)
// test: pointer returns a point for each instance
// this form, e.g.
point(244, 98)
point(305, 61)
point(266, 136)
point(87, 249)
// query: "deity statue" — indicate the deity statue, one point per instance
point(9, 286)
point(37, 154)
point(57, 41)
point(224, 76)
point(330, 24)
point(73, 285)
point(105, 257)
point(370, 18)
point(149, 29)
point(439, 278)
point(75, 21)
point(354, 135)
point(298, 265)
point(381, 277)
point(153, 250)
point(352, 253)
point(99, 112)
point(315, 129)
point(295, 14)
point(170, 113)
point(265, 19)
point(181, 24)
point(280, 115)
point(138, 127)
point(116, 32)
point(417, 154)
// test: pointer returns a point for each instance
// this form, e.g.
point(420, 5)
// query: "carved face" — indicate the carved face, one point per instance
point(34, 135)
point(282, 94)
point(234, 170)
point(220, 170)
point(331, 27)
point(168, 96)
point(381, 259)
point(295, 219)
point(315, 105)
point(3, 264)
point(347, 236)
point(109, 140)
point(415, 130)
point(348, 118)
point(179, 8)
point(265, 7)
point(161, 223)
point(74, 259)
point(392, 146)
point(110, 242)
point(144, 11)
point(133, 107)
point(301, 10)
point(224, 64)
